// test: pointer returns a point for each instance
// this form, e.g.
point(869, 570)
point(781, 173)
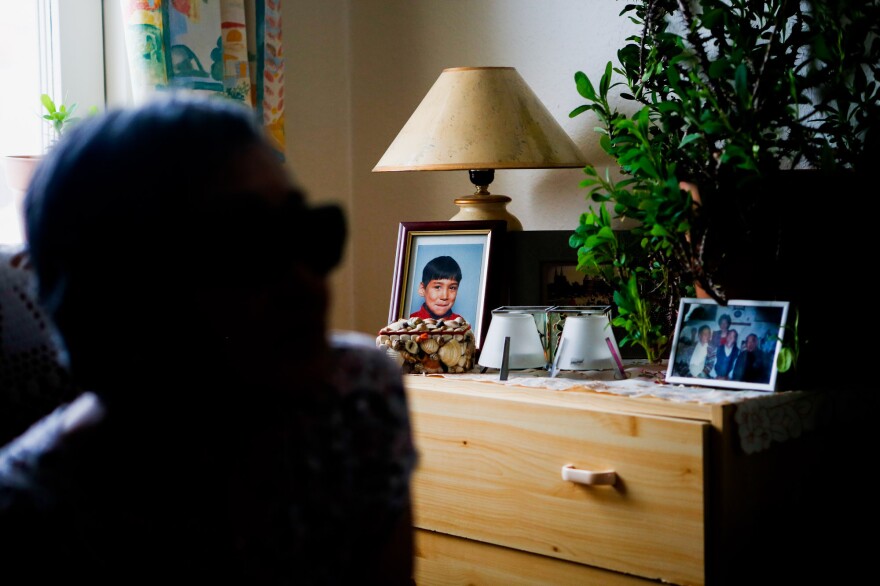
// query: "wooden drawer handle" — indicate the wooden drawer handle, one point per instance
point(589, 477)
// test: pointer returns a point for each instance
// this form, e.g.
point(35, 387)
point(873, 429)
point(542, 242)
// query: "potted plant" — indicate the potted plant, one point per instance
point(735, 123)
point(60, 117)
point(20, 168)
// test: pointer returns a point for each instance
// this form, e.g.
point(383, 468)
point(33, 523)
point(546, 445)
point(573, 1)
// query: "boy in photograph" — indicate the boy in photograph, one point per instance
point(439, 286)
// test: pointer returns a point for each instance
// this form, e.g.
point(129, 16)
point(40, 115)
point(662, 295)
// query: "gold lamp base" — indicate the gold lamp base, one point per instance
point(486, 207)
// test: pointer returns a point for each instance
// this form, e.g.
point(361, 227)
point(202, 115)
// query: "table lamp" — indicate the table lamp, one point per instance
point(479, 119)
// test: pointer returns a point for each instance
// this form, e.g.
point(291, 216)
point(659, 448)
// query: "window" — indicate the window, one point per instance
point(46, 46)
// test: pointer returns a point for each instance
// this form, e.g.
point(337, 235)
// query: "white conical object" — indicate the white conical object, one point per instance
point(525, 349)
point(583, 345)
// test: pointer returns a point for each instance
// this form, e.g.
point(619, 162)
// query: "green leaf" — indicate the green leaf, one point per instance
point(740, 82)
point(784, 360)
point(605, 81)
point(47, 103)
point(579, 110)
point(584, 87)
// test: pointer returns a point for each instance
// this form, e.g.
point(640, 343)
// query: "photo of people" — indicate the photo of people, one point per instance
point(446, 281)
point(448, 270)
point(439, 288)
point(727, 346)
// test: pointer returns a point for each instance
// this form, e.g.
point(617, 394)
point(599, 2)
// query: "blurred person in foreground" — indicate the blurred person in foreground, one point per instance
point(226, 436)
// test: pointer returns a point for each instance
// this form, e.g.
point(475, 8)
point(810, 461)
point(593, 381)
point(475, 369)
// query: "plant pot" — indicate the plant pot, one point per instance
point(780, 238)
point(20, 169)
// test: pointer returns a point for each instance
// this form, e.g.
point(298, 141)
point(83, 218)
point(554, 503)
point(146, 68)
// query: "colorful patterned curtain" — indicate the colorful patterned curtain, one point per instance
point(231, 47)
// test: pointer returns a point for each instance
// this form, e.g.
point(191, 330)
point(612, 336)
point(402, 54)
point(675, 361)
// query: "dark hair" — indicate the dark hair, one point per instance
point(127, 213)
point(725, 316)
point(103, 188)
point(101, 192)
point(441, 267)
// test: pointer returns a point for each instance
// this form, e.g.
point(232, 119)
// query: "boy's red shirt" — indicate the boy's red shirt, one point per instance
point(425, 313)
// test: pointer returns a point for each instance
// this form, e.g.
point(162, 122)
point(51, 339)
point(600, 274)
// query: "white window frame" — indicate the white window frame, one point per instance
point(72, 52)
point(70, 45)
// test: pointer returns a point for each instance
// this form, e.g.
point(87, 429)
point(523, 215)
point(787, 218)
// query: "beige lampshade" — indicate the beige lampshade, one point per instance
point(480, 118)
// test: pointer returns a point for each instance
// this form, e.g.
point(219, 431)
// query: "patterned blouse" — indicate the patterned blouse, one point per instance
point(307, 498)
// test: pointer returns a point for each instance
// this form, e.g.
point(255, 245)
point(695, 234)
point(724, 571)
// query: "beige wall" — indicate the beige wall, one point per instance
point(356, 70)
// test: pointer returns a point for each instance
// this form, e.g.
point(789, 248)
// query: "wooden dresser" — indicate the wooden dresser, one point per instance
point(688, 506)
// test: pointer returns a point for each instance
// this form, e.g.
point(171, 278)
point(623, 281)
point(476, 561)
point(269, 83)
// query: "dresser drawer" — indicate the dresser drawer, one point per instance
point(490, 470)
point(444, 560)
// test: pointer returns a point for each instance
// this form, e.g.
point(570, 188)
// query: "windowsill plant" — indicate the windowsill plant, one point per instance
point(59, 117)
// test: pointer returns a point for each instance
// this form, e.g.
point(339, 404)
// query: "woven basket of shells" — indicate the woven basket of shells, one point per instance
point(429, 345)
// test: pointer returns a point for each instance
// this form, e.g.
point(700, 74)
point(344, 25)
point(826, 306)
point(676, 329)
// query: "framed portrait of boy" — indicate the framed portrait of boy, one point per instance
point(459, 259)
point(728, 346)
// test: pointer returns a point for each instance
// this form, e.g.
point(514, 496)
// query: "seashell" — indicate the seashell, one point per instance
point(396, 344)
point(383, 339)
point(411, 346)
point(413, 321)
point(431, 365)
point(445, 338)
point(394, 327)
point(404, 337)
point(450, 352)
point(395, 356)
point(429, 345)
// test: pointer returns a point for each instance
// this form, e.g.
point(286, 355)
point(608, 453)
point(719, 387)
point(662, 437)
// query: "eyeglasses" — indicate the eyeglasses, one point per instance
point(245, 233)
